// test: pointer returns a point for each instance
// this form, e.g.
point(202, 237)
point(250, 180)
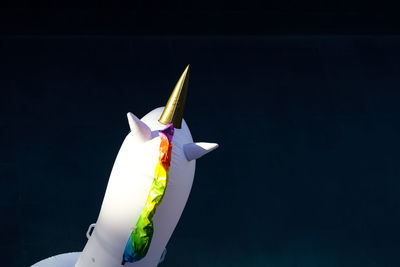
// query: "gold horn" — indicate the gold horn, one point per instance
point(173, 111)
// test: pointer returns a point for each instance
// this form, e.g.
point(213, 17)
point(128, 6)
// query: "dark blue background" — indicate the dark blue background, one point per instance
point(307, 171)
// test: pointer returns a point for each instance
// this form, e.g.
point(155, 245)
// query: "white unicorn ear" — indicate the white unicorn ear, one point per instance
point(196, 150)
point(139, 127)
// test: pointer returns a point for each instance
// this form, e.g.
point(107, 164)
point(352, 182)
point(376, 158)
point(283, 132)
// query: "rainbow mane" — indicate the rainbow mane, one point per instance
point(139, 240)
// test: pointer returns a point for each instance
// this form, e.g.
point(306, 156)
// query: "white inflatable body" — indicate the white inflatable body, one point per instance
point(62, 260)
point(128, 188)
point(127, 191)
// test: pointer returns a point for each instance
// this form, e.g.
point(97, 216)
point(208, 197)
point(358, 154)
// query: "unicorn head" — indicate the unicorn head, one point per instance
point(152, 176)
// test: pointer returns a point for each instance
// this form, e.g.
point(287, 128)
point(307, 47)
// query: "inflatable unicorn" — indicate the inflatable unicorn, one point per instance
point(147, 191)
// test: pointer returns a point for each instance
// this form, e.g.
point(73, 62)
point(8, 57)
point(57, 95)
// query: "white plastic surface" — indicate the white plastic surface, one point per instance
point(62, 260)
